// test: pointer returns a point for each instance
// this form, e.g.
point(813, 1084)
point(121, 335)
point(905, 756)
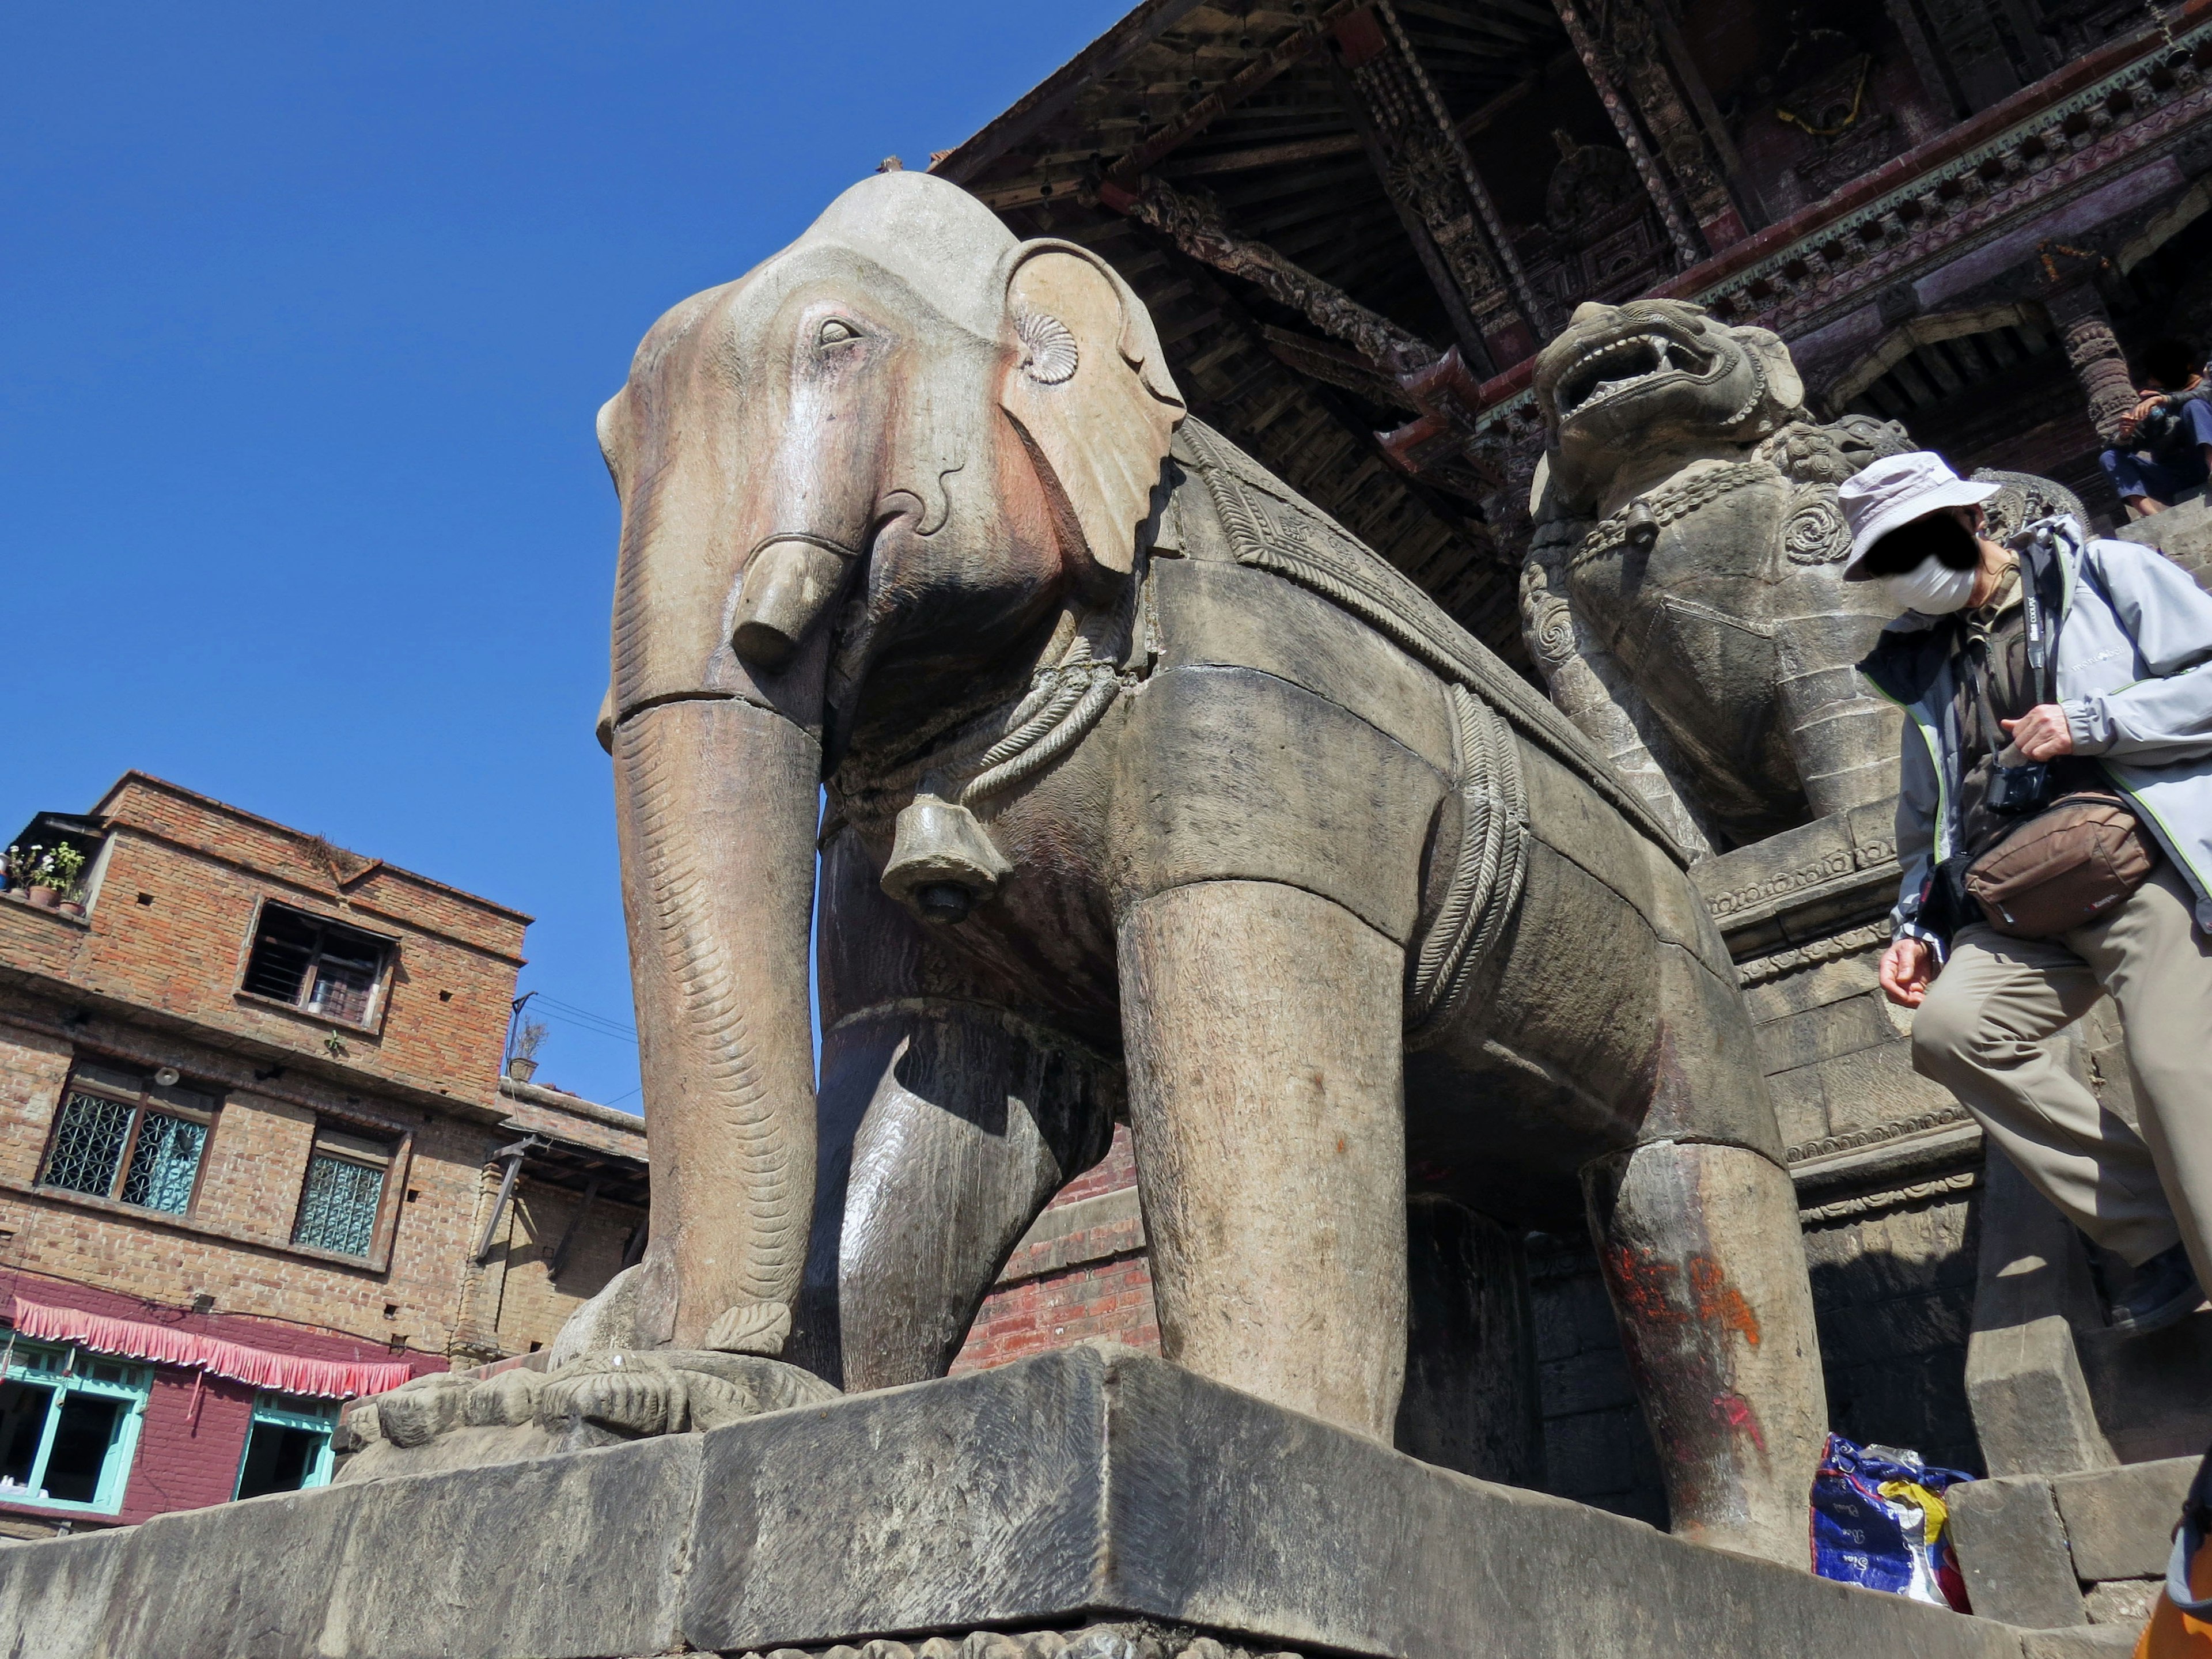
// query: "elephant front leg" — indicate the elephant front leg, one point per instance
point(1265, 1097)
point(1702, 1258)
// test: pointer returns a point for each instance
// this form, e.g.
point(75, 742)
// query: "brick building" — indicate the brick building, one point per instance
point(256, 1155)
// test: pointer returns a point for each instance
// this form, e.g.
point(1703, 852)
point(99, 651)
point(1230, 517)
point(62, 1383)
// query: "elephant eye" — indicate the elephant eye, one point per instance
point(835, 332)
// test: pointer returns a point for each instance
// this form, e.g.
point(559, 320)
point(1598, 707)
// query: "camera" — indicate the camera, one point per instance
point(2161, 426)
point(2016, 789)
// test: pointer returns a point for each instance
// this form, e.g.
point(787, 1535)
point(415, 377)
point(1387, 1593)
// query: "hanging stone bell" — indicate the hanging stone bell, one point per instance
point(1643, 524)
point(942, 864)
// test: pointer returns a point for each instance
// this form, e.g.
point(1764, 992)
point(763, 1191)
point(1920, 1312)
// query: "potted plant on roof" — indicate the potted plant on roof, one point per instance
point(16, 869)
point(522, 1059)
point(38, 879)
point(65, 867)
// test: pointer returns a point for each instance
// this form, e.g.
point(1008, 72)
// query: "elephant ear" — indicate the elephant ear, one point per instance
point(1090, 394)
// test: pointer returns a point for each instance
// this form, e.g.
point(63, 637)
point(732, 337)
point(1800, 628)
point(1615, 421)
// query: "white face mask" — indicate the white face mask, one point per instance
point(1931, 587)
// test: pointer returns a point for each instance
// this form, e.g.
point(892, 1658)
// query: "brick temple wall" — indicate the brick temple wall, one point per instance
point(1081, 1273)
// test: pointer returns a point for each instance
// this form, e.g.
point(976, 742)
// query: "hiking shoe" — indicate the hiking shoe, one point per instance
point(2163, 1292)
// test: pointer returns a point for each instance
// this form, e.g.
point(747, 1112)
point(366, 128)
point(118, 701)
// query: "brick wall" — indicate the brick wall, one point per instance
point(170, 926)
point(528, 1304)
point(1080, 1271)
point(234, 1244)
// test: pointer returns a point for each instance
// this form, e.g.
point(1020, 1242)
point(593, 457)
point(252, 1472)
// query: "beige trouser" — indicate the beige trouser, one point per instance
point(1981, 1034)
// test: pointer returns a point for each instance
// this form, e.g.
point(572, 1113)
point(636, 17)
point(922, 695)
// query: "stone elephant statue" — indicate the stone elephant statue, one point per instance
point(1140, 789)
point(1683, 590)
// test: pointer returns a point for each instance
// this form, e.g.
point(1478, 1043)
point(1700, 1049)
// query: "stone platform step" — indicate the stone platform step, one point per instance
point(1080, 1487)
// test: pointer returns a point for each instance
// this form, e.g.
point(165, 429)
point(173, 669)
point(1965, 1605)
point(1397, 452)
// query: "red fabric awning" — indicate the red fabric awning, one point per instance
point(288, 1373)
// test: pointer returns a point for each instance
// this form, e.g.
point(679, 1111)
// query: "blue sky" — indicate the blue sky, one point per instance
point(304, 315)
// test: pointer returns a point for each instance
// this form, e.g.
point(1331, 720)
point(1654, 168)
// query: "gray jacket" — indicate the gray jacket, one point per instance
point(2134, 676)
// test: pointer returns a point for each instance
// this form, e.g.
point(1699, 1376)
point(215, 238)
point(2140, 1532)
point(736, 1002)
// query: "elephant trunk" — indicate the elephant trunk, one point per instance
point(716, 805)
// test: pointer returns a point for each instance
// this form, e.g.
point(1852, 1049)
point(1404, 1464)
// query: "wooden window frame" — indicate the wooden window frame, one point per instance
point(393, 1166)
point(144, 1102)
point(123, 1450)
point(268, 1406)
point(380, 992)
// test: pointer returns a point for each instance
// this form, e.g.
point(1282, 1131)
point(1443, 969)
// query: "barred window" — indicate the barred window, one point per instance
point(121, 1135)
point(344, 1192)
point(323, 967)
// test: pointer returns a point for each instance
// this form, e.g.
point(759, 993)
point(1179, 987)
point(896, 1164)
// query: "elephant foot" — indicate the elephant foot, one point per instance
point(463, 1420)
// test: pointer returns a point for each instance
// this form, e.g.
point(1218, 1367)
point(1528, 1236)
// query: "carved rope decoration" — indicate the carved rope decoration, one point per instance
point(1485, 882)
point(1144, 1640)
point(1849, 1140)
point(1664, 507)
point(1919, 1193)
point(1005, 745)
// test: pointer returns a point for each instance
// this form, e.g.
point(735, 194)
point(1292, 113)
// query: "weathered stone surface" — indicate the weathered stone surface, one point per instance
point(571, 1556)
point(2012, 1552)
point(2088, 1642)
point(51, 1595)
point(2032, 1405)
point(1157, 1494)
point(2149, 1390)
point(576, 1555)
point(2120, 1522)
point(2183, 533)
point(1086, 1485)
point(240, 1581)
point(2122, 1601)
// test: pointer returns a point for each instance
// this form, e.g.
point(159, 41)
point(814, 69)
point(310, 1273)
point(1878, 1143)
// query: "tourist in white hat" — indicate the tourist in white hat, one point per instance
point(2055, 823)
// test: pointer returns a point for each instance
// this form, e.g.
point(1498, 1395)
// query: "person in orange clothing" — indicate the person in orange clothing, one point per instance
point(2180, 1625)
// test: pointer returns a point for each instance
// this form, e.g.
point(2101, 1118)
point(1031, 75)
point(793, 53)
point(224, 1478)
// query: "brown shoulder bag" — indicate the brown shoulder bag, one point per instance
point(2065, 867)
point(2077, 859)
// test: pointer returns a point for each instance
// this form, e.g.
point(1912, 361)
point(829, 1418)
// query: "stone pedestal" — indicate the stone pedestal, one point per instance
point(2183, 533)
point(1084, 1486)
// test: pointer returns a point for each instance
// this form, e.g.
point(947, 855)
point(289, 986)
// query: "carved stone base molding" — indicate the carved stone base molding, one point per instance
point(1140, 1639)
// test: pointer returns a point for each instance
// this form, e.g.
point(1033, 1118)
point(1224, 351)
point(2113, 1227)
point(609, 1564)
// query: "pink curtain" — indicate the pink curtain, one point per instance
point(286, 1373)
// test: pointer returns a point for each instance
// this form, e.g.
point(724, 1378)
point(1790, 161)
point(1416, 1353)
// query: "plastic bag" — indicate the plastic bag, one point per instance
point(1879, 1519)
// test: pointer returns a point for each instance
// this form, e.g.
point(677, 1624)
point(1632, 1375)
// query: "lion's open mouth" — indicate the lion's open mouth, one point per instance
point(1604, 372)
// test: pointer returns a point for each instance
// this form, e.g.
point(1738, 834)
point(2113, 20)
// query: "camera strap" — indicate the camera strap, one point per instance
point(2037, 560)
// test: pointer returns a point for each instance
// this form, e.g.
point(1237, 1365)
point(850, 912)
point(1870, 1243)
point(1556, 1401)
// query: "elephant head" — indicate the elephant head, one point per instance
point(1651, 379)
point(883, 465)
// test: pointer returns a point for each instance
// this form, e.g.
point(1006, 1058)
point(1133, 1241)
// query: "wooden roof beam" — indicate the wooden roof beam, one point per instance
point(1266, 155)
point(1239, 86)
point(1195, 225)
point(1109, 51)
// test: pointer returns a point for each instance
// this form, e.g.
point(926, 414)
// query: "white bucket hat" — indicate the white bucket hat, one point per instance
point(1895, 490)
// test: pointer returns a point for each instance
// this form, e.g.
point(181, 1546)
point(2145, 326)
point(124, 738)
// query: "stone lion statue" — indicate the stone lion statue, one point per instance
point(1683, 594)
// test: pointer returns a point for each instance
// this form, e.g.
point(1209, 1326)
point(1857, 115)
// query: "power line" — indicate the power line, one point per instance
point(600, 1024)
